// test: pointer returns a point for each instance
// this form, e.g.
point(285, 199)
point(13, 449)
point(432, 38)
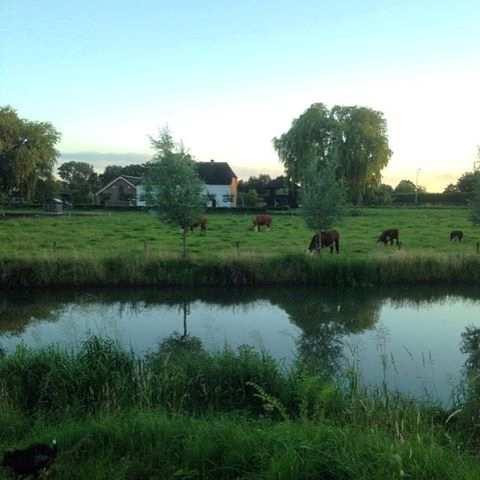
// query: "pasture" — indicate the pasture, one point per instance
point(422, 231)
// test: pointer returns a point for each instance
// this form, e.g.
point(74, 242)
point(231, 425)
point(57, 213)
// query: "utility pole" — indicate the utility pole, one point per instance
point(416, 185)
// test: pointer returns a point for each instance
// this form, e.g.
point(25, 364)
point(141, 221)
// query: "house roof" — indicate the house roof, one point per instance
point(215, 173)
point(133, 181)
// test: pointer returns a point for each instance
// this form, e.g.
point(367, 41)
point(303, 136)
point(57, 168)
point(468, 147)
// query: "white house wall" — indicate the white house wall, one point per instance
point(141, 196)
point(222, 194)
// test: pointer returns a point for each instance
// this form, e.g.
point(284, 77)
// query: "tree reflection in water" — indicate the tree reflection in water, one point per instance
point(325, 318)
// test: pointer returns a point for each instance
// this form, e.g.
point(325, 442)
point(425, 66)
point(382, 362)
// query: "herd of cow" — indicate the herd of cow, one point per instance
point(327, 238)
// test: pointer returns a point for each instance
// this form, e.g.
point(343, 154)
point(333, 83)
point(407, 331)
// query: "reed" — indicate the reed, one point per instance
point(252, 270)
point(182, 412)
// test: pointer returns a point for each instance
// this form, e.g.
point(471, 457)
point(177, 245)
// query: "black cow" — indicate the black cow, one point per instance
point(389, 236)
point(456, 235)
point(329, 238)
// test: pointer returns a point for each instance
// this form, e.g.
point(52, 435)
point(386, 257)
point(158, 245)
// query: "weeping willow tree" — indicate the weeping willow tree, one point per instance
point(355, 137)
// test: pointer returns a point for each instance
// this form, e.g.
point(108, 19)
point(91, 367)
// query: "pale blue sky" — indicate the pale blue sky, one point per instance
point(229, 76)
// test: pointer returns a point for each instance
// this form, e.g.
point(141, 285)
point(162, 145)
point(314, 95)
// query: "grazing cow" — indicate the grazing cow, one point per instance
point(329, 238)
point(32, 460)
point(389, 236)
point(456, 235)
point(260, 221)
point(202, 222)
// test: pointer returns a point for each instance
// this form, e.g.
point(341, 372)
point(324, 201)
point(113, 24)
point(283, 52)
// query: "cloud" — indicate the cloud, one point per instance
point(101, 160)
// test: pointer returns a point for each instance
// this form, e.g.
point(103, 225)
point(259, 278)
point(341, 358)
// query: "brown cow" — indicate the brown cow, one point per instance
point(260, 221)
point(456, 235)
point(329, 238)
point(202, 222)
point(389, 236)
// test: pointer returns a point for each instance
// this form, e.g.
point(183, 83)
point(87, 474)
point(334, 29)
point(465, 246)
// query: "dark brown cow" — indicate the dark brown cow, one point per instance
point(389, 236)
point(261, 221)
point(329, 238)
point(456, 235)
point(202, 222)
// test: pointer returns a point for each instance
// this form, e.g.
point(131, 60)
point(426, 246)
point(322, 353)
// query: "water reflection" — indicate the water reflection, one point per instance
point(310, 325)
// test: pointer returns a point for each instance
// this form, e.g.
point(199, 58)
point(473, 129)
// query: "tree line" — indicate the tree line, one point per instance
point(352, 141)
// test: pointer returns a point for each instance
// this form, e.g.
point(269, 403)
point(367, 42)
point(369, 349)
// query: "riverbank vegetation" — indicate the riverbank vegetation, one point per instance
point(136, 249)
point(181, 412)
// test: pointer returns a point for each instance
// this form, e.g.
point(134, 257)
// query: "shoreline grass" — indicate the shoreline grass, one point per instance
point(182, 412)
point(401, 268)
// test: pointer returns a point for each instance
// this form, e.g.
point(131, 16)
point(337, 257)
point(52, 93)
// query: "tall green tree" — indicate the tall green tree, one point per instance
point(323, 196)
point(466, 183)
point(80, 179)
point(27, 153)
point(362, 148)
point(173, 186)
point(355, 138)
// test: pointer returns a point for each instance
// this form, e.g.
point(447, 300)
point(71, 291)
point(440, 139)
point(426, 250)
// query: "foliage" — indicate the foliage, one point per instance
point(80, 180)
point(259, 184)
point(451, 188)
point(173, 185)
point(27, 153)
point(467, 182)
point(323, 197)
point(379, 194)
point(250, 199)
point(353, 137)
point(407, 186)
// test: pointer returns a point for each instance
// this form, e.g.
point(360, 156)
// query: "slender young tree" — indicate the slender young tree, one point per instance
point(173, 186)
point(323, 196)
point(475, 213)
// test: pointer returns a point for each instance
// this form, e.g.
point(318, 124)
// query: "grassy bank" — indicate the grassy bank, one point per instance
point(400, 268)
point(182, 412)
point(153, 445)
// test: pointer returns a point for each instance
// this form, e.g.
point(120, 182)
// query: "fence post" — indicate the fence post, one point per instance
point(237, 246)
point(478, 247)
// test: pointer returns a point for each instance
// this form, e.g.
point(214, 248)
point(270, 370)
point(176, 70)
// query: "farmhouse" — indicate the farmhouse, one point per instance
point(127, 191)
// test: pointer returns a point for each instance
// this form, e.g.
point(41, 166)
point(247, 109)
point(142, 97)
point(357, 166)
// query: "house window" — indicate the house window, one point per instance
point(228, 198)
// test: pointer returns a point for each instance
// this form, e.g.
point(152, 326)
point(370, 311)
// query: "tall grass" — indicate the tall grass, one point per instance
point(291, 269)
point(152, 445)
point(181, 377)
point(181, 412)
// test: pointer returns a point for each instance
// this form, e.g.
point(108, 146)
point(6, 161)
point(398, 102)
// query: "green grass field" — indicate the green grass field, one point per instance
point(126, 249)
point(422, 231)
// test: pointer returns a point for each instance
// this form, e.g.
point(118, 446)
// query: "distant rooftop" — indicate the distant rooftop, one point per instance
point(215, 173)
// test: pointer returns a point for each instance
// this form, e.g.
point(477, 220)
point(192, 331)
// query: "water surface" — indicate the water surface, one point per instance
point(406, 338)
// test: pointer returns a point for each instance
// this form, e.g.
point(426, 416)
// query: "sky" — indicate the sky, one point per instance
point(228, 76)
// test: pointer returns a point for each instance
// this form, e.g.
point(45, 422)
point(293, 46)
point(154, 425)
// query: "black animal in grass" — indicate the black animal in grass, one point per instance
point(30, 461)
point(328, 238)
point(456, 235)
point(388, 236)
point(201, 223)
